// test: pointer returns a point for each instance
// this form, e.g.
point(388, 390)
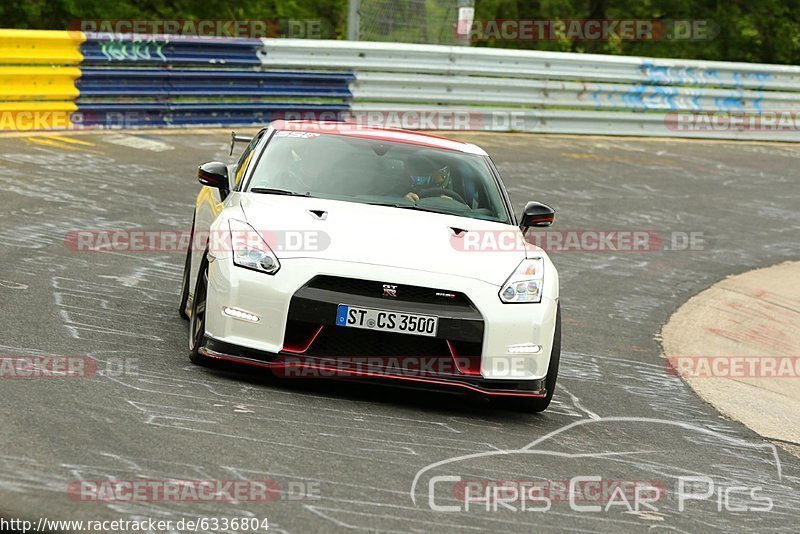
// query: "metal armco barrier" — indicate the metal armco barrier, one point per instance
point(481, 90)
point(503, 63)
point(158, 80)
point(35, 47)
point(531, 91)
point(130, 81)
point(105, 49)
point(37, 85)
point(202, 82)
point(154, 81)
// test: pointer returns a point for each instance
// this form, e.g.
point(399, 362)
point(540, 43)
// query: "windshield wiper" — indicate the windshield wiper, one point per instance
point(407, 207)
point(273, 191)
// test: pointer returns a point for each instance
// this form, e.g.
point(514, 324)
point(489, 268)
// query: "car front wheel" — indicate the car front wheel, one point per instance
point(197, 321)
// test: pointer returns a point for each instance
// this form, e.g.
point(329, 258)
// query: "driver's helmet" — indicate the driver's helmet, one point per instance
point(438, 178)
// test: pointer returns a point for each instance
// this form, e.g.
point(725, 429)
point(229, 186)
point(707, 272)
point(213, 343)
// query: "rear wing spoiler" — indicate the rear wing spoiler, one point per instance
point(238, 139)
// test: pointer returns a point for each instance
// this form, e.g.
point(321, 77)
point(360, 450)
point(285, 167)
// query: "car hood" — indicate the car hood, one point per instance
point(300, 227)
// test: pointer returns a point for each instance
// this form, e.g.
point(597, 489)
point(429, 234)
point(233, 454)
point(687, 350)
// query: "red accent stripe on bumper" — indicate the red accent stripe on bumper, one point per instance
point(366, 374)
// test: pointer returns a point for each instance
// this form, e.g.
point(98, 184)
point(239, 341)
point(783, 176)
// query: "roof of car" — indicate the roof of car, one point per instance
point(378, 133)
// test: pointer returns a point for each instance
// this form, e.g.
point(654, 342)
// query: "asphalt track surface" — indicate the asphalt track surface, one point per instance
point(357, 450)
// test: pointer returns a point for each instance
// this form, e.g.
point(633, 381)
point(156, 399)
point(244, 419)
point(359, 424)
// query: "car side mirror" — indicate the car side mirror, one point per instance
point(538, 215)
point(213, 174)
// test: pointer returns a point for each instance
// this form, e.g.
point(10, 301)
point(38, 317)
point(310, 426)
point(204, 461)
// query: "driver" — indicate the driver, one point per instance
point(302, 173)
point(439, 179)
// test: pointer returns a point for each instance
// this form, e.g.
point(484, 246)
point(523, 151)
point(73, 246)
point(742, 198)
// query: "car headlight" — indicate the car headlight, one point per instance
point(250, 250)
point(525, 283)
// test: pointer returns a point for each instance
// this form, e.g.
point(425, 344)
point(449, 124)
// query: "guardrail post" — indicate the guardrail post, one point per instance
point(352, 19)
point(466, 16)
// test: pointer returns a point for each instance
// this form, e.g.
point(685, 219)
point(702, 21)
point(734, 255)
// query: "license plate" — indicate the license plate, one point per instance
point(387, 321)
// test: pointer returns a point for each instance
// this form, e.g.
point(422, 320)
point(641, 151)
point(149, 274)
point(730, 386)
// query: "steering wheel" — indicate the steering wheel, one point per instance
point(439, 191)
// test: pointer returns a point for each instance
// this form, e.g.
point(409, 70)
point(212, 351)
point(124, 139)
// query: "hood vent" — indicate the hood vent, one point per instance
point(458, 232)
point(319, 214)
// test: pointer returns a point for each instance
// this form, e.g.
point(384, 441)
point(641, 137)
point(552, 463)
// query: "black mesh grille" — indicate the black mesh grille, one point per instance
point(405, 293)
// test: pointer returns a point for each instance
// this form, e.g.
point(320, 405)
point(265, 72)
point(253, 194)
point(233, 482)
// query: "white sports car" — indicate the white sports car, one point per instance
point(341, 251)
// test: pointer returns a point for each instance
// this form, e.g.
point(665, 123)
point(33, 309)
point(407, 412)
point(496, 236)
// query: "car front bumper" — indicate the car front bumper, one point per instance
point(286, 299)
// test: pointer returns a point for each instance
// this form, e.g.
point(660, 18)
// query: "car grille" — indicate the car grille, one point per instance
point(311, 329)
point(334, 342)
point(405, 293)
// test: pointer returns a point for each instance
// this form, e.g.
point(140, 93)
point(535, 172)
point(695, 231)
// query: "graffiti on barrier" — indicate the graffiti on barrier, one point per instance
point(137, 50)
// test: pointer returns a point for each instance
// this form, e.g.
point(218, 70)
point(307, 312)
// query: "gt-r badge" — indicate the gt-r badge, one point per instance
point(389, 290)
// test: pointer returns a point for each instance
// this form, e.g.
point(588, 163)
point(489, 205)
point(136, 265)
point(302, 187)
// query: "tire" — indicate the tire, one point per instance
point(197, 321)
point(540, 405)
point(187, 266)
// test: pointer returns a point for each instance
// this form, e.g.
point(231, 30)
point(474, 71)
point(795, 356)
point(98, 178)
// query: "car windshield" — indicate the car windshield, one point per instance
point(380, 172)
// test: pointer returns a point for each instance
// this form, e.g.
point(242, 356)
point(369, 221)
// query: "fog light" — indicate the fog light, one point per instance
point(236, 313)
point(524, 349)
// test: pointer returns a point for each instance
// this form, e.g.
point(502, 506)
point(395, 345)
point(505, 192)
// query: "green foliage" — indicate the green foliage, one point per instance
point(766, 31)
point(58, 14)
